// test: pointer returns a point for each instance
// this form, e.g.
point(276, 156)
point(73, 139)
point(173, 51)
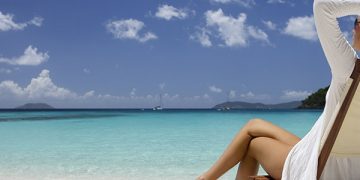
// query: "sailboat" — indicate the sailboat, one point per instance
point(159, 107)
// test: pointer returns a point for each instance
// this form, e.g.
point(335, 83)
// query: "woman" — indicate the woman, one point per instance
point(282, 154)
point(251, 146)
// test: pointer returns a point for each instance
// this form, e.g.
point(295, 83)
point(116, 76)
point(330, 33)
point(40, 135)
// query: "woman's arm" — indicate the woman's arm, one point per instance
point(339, 53)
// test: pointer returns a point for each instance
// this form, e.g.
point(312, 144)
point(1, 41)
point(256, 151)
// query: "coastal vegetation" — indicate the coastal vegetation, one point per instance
point(315, 100)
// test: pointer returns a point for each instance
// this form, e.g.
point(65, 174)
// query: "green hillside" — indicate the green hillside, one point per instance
point(315, 100)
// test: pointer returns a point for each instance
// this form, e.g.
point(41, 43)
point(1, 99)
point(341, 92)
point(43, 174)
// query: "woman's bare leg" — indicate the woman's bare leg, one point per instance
point(249, 166)
point(237, 149)
point(270, 153)
point(231, 156)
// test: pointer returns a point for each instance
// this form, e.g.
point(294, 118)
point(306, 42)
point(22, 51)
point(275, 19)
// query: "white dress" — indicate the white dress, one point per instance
point(301, 162)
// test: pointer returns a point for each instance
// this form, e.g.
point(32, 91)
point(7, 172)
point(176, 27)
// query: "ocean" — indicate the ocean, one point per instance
point(126, 144)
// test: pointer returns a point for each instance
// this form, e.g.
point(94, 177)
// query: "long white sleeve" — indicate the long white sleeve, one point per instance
point(339, 53)
point(301, 162)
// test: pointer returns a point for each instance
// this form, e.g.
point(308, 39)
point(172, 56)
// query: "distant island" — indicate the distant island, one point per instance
point(35, 106)
point(247, 105)
point(314, 101)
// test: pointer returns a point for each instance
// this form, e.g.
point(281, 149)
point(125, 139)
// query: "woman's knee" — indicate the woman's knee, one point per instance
point(254, 124)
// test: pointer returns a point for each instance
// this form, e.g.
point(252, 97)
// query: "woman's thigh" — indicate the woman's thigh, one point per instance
point(262, 128)
point(270, 153)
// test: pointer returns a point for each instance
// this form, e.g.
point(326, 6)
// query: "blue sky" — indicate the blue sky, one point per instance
point(123, 54)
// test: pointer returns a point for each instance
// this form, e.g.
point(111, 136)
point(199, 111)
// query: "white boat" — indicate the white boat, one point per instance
point(159, 107)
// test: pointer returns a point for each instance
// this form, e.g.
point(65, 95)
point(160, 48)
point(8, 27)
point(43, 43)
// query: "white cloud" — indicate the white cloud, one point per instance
point(31, 57)
point(301, 27)
point(40, 87)
point(43, 89)
point(10, 88)
point(7, 23)
point(258, 34)
point(276, 1)
point(89, 94)
point(247, 95)
point(295, 95)
point(233, 31)
point(36, 21)
point(270, 25)
point(215, 89)
point(129, 29)
point(245, 3)
point(168, 12)
point(202, 36)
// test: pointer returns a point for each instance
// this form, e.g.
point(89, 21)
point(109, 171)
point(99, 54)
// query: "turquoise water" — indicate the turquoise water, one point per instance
point(126, 144)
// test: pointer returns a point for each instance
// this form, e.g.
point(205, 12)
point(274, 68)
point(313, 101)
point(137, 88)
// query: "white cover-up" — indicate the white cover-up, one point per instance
point(301, 162)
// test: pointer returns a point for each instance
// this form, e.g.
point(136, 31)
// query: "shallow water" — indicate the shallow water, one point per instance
point(126, 144)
